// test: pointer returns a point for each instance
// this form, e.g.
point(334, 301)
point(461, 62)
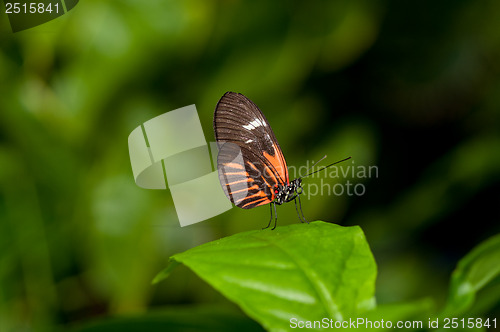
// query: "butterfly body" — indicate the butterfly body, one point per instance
point(289, 192)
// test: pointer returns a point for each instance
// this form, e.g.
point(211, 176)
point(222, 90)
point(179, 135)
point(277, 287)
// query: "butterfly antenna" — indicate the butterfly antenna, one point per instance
point(324, 167)
point(300, 177)
point(318, 161)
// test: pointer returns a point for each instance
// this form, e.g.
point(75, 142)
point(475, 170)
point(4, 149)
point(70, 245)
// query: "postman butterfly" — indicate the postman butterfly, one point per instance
point(252, 168)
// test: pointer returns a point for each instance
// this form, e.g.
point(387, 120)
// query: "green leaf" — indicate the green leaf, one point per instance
point(302, 271)
point(476, 271)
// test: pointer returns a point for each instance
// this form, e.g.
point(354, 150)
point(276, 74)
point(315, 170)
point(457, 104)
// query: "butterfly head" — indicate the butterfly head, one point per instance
point(286, 193)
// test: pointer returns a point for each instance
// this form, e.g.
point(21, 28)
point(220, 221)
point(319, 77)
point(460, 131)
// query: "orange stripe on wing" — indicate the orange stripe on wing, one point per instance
point(263, 201)
point(246, 189)
point(249, 163)
point(234, 165)
point(258, 194)
point(269, 186)
point(240, 181)
point(278, 162)
point(264, 179)
point(245, 174)
point(259, 202)
point(271, 173)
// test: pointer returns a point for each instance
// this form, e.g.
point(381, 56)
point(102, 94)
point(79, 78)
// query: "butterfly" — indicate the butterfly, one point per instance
point(251, 166)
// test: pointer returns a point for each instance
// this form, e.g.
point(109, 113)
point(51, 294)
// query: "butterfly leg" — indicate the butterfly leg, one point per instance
point(271, 211)
point(303, 219)
point(275, 217)
point(296, 209)
point(302, 213)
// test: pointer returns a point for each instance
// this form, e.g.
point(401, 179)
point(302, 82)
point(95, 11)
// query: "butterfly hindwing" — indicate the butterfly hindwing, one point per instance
point(242, 181)
point(250, 161)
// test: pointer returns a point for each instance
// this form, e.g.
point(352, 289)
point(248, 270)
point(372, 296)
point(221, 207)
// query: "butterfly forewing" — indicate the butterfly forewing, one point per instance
point(250, 161)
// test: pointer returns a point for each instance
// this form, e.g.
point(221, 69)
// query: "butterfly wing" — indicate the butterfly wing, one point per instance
point(250, 161)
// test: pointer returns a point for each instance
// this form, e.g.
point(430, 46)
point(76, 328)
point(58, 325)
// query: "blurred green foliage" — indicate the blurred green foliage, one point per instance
point(478, 271)
point(413, 88)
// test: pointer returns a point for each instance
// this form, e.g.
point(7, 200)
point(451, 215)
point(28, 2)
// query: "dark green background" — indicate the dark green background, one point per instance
point(412, 87)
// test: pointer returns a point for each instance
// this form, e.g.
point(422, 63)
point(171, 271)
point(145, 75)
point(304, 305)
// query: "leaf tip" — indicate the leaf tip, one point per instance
point(172, 264)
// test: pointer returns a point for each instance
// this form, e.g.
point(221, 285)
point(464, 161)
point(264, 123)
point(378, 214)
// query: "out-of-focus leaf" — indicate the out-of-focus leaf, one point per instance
point(302, 271)
point(166, 272)
point(179, 319)
point(477, 270)
point(417, 311)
